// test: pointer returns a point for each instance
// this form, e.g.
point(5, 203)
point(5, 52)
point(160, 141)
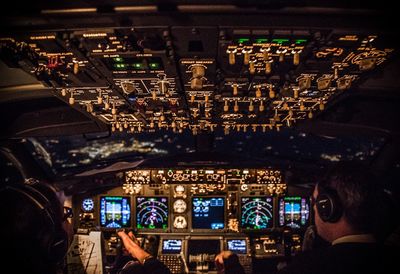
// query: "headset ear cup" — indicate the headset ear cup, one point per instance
point(328, 206)
point(53, 238)
point(57, 242)
point(324, 207)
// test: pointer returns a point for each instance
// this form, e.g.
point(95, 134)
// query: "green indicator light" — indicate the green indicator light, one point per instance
point(118, 59)
point(120, 66)
point(137, 65)
point(242, 40)
point(154, 65)
point(261, 40)
point(292, 198)
point(300, 41)
point(152, 226)
point(280, 41)
point(114, 198)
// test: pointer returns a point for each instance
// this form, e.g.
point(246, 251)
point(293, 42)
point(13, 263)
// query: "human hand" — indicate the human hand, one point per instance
point(219, 260)
point(132, 245)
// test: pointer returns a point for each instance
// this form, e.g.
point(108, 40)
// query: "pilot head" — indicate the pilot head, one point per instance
point(347, 202)
point(34, 227)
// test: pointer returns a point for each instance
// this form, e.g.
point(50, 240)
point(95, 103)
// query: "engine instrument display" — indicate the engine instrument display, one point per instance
point(152, 212)
point(256, 212)
point(294, 211)
point(115, 211)
point(208, 213)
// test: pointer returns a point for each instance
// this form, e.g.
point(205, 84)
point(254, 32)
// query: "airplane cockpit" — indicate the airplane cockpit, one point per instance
point(201, 126)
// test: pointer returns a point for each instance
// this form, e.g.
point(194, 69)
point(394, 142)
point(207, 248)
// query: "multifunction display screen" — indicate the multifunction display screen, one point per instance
point(256, 213)
point(294, 211)
point(152, 212)
point(208, 213)
point(115, 211)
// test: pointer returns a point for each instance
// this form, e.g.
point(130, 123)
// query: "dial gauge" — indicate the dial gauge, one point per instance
point(87, 205)
point(180, 206)
point(180, 222)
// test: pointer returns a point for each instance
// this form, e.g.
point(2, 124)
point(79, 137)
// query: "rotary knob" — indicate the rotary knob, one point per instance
point(198, 70)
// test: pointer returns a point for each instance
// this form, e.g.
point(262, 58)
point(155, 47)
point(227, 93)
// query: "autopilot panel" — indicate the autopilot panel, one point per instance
point(185, 217)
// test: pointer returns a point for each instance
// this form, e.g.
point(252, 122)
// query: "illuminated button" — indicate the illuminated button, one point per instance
point(154, 65)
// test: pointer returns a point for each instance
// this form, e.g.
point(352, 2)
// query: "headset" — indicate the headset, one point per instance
point(328, 204)
point(42, 196)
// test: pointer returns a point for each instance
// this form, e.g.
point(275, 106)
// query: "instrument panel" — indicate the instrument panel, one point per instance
point(198, 78)
point(181, 200)
point(247, 211)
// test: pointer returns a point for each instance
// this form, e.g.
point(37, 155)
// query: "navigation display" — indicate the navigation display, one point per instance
point(208, 213)
point(256, 212)
point(152, 212)
point(237, 246)
point(294, 212)
point(171, 246)
point(115, 212)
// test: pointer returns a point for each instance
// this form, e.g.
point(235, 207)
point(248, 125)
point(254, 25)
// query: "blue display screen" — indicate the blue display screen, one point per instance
point(292, 207)
point(115, 212)
point(208, 213)
point(294, 211)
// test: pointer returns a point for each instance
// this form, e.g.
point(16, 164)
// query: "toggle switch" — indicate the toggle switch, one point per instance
point(226, 106)
point(261, 108)
point(271, 92)
point(281, 54)
point(268, 66)
point(251, 106)
point(236, 107)
point(75, 67)
point(252, 68)
point(235, 88)
point(246, 55)
point(258, 92)
point(232, 58)
point(265, 53)
point(99, 98)
point(296, 56)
